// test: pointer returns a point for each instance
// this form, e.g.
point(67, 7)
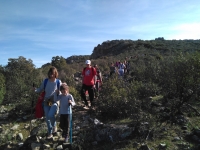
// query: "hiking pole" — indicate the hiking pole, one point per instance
point(70, 124)
point(32, 103)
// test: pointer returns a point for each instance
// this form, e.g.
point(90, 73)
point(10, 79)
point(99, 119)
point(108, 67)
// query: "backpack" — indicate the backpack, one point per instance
point(39, 111)
point(121, 66)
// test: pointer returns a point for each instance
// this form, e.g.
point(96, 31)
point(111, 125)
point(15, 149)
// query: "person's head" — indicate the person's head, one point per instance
point(53, 73)
point(95, 66)
point(64, 88)
point(88, 63)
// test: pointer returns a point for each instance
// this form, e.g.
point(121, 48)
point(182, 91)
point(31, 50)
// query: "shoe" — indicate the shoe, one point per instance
point(49, 136)
point(54, 129)
point(86, 107)
point(66, 139)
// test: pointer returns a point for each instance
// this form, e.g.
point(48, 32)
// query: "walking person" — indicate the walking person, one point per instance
point(113, 70)
point(65, 101)
point(99, 81)
point(88, 83)
point(51, 88)
point(121, 69)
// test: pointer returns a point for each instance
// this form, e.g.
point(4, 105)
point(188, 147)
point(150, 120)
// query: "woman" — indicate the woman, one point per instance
point(51, 89)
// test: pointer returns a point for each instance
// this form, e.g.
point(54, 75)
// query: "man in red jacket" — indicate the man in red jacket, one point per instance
point(88, 83)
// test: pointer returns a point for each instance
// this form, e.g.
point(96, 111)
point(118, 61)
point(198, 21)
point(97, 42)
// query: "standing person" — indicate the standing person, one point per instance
point(127, 67)
point(88, 83)
point(121, 69)
point(65, 101)
point(50, 106)
point(99, 80)
point(113, 69)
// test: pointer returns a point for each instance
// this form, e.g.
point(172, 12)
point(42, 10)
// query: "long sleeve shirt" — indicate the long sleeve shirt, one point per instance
point(64, 103)
point(50, 89)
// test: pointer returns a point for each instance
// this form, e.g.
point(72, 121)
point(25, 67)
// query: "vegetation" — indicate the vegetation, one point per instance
point(167, 71)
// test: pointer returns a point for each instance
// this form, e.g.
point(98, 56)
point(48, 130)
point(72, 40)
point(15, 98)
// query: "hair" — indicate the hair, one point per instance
point(64, 86)
point(53, 70)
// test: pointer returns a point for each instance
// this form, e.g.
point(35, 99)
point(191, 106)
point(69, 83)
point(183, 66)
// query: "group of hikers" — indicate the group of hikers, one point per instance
point(57, 98)
point(120, 68)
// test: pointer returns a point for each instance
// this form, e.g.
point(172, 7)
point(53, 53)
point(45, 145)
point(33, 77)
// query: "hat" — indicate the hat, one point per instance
point(87, 62)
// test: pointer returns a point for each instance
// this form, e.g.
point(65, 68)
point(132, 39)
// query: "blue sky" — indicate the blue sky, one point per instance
point(41, 29)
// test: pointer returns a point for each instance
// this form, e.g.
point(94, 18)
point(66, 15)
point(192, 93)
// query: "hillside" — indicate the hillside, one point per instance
point(155, 106)
point(120, 48)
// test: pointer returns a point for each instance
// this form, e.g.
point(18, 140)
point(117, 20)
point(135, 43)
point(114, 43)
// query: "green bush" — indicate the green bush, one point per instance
point(118, 99)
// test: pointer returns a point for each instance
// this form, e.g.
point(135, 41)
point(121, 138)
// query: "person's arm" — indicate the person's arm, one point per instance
point(40, 89)
point(95, 76)
point(100, 75)
point(71, 100)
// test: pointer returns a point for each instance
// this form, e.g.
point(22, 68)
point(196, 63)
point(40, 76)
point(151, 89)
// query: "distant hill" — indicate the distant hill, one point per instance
point(159, 46)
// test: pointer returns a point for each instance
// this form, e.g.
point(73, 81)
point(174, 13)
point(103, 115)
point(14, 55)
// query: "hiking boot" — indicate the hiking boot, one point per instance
point(66, 139)
point(86, 107)
point(54, 129)
point(49, 136)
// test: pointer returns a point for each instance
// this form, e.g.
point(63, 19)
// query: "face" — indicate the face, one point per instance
point(64, 91)
point(52, 75)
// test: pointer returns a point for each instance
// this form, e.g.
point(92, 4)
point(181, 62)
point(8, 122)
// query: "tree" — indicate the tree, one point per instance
point(180, 77)
point(2, 87)
point(20, 75)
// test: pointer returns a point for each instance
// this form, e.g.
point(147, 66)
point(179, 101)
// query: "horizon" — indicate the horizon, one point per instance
point(40, 30)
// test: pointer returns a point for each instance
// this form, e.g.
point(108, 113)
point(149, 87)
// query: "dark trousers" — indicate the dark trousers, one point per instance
point(90, 90)
point(64, 124)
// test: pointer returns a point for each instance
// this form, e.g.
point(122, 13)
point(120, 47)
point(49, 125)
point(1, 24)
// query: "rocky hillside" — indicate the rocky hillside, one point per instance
point(159, 46)
point(116, 47)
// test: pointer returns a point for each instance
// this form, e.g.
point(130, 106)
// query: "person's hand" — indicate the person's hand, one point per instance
point(34, 89)
point(94, 86)
point(57, 91)
point(70, 102)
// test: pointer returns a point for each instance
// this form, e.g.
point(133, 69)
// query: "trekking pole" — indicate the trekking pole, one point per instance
point(70, 124)
point(32, 103)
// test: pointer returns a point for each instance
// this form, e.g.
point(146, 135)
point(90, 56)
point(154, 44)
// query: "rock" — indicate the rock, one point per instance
point(35, 146)
point(20, 136)
point(15, 127)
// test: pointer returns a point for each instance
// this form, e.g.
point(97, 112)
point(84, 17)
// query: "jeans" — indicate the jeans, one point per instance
point(121, 73)
point(50, 112)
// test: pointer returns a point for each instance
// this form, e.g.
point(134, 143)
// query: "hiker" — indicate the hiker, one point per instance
point(88, 83)
point(50, 106)
point(65, 100)
point(127, 64)
point(99, 81)
point(113, 69)
point(117, 63)
point(121, 69)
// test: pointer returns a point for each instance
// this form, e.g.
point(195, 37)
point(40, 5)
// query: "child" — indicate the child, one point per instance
point(65, 100)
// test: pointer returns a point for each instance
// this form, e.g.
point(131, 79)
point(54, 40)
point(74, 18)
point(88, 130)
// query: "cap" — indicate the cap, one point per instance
point(87, 62)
